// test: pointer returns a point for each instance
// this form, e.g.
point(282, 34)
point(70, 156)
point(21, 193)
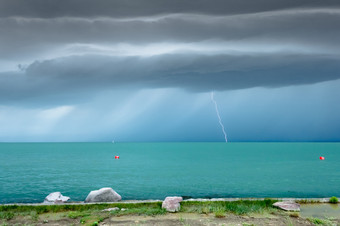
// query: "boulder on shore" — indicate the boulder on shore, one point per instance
point(111, 209)
point(56, 197)
point(288, 206)
point(172, 204)
point(103, 195)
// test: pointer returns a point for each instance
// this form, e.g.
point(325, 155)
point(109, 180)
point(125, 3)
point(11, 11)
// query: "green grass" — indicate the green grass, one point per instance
point(294, 214)
point(87, 214)
point(34, 216)
point(147, 211)
point(289, 222)
point(333, 200)
point(315, 220)
point(183, 222)
point(318, 221)
point(76, 214)
point(91, 220)
point(64, 208)
point(242, 207)
point(91, 213)
point(220, 213)
point(306, 201)
point(6, 215)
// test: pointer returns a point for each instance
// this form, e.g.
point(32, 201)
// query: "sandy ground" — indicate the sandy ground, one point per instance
point(172, 219)
point(203, 219)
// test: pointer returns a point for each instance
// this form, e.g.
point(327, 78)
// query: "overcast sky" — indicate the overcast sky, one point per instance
point(127, 70)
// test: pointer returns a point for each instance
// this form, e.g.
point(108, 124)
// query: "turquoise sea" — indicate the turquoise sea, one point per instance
point(30, 171)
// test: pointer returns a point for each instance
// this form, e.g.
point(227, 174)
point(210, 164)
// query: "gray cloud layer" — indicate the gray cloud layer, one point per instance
point(74, 47)
point(312, 28)
point(88, 74)
point(132, 8)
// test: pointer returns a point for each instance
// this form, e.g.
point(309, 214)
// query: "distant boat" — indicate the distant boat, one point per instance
point(113, 141)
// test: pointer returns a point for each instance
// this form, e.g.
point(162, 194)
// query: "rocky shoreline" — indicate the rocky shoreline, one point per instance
point(171, 203)
point(304, 200)
point(173, 211)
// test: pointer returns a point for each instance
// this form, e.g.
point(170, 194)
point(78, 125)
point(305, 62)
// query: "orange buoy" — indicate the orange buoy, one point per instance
point(322, 158)
point(116, 157)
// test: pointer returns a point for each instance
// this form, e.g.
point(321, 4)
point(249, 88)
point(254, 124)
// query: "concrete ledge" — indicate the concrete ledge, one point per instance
point(307, 200)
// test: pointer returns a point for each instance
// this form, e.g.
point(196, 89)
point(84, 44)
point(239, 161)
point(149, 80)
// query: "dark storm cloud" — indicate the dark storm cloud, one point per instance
point(237, 44)
point(89, 74)
point(133, 8)
point(64, 63)
point(197, 72)
point(314, 28)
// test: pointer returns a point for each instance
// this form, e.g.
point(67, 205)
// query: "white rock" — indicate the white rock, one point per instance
point(103, 195)
point(56, 197)
point(172, 204)
point(288, 206)
point(111, 209)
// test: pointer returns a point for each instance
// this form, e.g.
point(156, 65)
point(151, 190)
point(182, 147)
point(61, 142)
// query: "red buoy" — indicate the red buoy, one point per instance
point(116, 157)
point(322, 158)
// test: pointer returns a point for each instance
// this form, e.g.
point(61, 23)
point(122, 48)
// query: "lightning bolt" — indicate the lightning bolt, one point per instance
point(218, 116)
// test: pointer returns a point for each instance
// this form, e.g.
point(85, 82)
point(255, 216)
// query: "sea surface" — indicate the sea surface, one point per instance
point(30, 171)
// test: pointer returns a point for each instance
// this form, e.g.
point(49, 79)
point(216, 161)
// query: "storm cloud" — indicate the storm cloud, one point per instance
point(303, 29)
point(131, 8)
point(210, 48)
point(59, 54)
point(198, 73)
